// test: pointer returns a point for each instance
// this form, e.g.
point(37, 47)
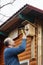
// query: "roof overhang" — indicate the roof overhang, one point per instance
point(15, 18)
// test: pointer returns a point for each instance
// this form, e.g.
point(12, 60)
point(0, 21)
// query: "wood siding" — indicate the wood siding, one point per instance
point(27, 53)
point(1, 54)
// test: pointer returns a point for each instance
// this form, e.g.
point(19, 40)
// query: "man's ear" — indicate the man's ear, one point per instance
point(6, 43)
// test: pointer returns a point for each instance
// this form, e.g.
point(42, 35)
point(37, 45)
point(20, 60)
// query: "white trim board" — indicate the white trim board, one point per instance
point(24, 61)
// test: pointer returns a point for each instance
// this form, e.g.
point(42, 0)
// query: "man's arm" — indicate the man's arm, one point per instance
point(19, 49)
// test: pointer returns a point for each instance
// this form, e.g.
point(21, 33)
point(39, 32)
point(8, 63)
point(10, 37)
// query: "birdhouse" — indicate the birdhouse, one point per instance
point(29, 30)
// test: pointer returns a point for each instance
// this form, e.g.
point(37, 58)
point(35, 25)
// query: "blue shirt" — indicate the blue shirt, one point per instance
point(10, 54)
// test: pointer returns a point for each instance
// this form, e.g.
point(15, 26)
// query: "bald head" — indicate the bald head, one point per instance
point(8, 41)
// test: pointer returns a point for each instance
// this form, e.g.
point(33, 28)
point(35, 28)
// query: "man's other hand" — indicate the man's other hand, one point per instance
point(24, 35)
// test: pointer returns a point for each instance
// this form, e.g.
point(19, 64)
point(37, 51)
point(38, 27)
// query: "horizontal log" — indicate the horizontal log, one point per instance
point(24, 57)
point(24, 54)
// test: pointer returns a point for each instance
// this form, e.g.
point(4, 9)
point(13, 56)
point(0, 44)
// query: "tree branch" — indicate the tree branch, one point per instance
point(3, 15)
point(7, 4)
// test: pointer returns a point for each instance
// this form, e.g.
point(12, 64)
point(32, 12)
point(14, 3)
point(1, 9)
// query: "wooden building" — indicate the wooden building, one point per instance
point(32, 20)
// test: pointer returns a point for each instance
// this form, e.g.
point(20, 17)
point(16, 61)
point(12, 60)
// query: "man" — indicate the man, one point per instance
point(11, 52)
